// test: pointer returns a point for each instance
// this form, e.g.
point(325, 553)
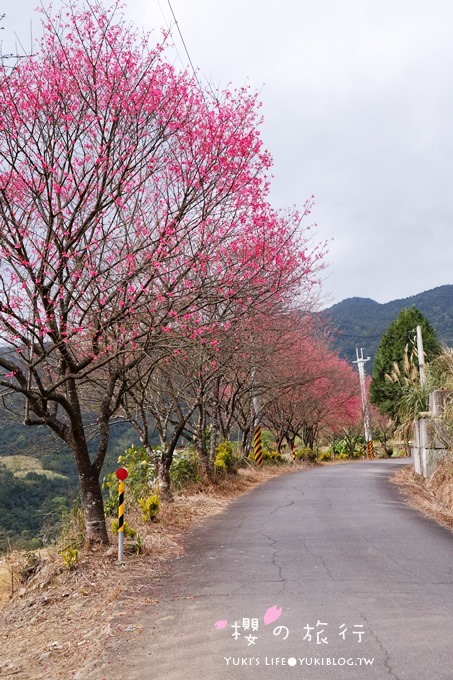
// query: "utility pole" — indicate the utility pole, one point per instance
point(365, 410)
point(421, 356)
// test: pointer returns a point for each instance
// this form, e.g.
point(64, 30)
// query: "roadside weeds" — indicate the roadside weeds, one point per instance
point(433, 497)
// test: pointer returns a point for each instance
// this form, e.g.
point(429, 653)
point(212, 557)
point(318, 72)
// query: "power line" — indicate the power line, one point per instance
point(184, 44)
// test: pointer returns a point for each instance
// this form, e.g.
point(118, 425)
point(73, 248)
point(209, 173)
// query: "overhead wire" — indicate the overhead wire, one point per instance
point(184, 45)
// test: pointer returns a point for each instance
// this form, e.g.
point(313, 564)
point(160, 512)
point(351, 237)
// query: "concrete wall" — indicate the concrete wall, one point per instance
point(427, 449)
point(429, 442)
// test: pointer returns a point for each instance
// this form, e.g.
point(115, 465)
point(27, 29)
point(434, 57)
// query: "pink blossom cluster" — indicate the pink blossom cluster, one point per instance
point(132, 202)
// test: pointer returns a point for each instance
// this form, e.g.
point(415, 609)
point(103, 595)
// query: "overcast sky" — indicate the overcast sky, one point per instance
point(358, 110)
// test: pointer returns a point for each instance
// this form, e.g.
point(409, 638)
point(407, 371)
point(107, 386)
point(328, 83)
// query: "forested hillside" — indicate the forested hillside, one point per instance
point(360, 322)
point(38, 480)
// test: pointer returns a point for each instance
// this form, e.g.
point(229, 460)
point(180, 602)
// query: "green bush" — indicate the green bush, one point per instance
point(324, 455)
point(141, 475)
point(349, 446)
point(149, 507)
point(272, 458)
point(224, 460)
point(138, 547)
point(398, 453)
point(70, 557)
point(268, 440)
point(184, 468)
point(129, 532)
point(306, 454)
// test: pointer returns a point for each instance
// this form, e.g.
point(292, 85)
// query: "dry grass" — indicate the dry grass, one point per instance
point(441, 483)
point(57, 622)
point(434, 496)
point(6, 582)
point(14, 568)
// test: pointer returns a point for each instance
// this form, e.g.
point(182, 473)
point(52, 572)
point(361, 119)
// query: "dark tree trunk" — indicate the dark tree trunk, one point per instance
point(207, 470)
point(309, 436)
point(168, 447)
point(291, 440)
point(93, 505)
point(89, 473)
point(91, 494)
point(164, 480)
point(280, 439)
point(215, 424)
point(73, 434)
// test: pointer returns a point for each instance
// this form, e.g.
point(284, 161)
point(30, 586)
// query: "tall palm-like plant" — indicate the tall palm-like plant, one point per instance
point(441, 369)
point(413, 394)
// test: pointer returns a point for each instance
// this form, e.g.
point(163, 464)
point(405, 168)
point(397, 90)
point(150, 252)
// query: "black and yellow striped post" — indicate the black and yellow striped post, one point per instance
point(370, 448)
point(257, 446)
point(121, 474)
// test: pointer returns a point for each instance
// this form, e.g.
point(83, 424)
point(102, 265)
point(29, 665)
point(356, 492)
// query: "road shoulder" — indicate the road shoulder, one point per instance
point(433, 497)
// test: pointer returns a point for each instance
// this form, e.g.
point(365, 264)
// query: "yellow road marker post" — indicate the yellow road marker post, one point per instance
point(258, 446)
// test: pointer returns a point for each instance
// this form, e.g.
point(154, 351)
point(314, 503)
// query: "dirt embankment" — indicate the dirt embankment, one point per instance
point(434, 496)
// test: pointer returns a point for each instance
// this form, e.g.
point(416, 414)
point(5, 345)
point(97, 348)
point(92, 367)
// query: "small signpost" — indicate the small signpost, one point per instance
point(121, 474)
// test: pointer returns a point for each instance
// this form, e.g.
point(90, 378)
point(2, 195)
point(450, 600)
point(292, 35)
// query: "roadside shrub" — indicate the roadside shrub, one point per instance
point(268, 440)
point(138, 546)
point(273, 458)
point(349, 446)
point(224, 460)
point(324, 456)
point(184, 468)
point(141, 475)
point(306, 454)
point(149, 507)
point(70, 557)
point(129, 532)
point(398, 453)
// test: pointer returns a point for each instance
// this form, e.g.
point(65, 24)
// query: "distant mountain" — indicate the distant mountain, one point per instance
point(361, 322)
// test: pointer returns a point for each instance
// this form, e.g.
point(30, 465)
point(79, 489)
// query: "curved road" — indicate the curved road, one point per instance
point(364, 583)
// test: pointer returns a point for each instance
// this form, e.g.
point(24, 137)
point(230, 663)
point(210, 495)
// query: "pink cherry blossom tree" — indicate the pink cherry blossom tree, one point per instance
point(314, 390)
point(132, 205)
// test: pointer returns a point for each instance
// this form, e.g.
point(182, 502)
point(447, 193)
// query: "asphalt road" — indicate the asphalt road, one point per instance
point(364, 583)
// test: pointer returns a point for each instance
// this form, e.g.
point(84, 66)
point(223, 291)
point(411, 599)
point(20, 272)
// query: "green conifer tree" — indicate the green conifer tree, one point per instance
point(386, 394)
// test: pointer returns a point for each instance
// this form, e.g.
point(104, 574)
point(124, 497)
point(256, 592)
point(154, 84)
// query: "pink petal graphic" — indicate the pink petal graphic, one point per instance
point(272, 615)
point(220, 624)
